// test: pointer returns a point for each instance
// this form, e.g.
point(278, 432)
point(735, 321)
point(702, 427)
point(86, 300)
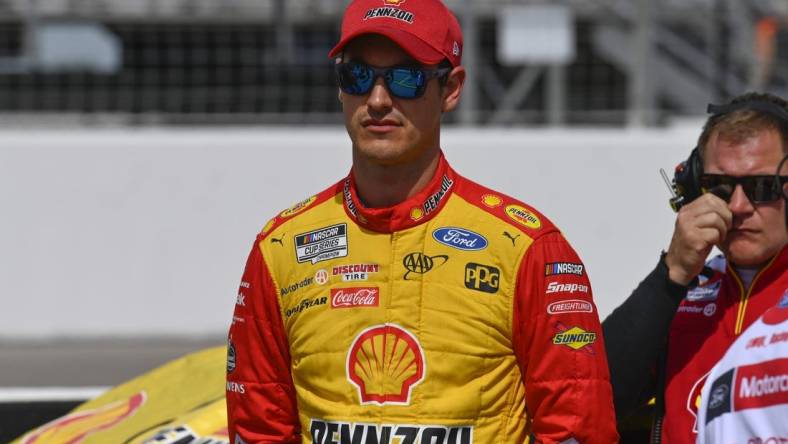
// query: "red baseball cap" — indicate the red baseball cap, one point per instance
point(425, 29)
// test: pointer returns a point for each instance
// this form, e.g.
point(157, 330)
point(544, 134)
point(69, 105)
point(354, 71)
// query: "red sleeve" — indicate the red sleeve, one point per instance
point(261, 401)
point(559, 345)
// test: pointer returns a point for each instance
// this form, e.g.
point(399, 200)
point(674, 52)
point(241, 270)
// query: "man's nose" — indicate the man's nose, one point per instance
point(379, 97)
point(739, 202)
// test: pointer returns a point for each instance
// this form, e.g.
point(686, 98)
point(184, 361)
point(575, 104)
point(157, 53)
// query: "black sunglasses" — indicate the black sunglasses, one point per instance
point(404, 82)
point(759, 188)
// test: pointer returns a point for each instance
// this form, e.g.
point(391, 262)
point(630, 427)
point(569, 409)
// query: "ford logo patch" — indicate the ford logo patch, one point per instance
point(460, 239)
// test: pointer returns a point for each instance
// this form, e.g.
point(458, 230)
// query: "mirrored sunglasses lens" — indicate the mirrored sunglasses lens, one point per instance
point(356, 78)
point(405, 83)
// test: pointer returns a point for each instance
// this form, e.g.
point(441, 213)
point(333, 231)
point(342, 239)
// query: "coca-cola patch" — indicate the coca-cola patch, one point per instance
point(355, 297)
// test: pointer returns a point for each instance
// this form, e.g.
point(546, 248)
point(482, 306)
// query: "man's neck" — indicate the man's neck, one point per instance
point(380, 186)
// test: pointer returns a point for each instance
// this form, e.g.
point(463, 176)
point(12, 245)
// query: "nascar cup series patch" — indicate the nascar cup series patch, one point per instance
point(322, 244)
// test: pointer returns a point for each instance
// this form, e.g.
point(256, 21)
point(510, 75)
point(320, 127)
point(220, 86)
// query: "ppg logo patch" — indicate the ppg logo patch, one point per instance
point(482, 277)
point(322, 245)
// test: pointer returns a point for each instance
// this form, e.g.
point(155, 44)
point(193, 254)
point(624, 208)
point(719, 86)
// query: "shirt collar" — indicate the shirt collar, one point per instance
point(416, 210)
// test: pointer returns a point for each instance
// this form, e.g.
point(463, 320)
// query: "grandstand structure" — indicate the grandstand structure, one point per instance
point(264, 61)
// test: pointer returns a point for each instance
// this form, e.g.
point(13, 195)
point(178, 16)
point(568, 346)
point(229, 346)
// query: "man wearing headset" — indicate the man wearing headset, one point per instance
point(678, 323)
point(407, 304)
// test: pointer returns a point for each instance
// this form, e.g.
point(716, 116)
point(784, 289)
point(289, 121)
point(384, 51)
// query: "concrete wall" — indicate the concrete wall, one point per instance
point(121, 232)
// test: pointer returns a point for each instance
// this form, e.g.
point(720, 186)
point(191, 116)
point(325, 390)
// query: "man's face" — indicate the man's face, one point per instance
point(759, 230)
point(387, 130)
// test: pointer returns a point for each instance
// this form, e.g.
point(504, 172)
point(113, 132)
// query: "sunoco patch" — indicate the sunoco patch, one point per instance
point(322, 245)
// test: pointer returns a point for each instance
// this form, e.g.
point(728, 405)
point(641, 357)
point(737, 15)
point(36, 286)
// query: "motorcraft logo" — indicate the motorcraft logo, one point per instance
point(420, 263)
point(323, 244)
point(762, 385)
point(330, 432)
point(355, 297)
point(460, 238)
point(482, 277)
point(570, 306)
point(385, 363)
point(555, 268)
point(355, 272)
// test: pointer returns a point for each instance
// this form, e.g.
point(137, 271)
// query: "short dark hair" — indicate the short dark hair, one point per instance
point(744, 123)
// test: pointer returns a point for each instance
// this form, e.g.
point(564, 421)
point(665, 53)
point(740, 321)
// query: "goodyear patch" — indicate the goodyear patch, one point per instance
point(523, 216)
point(299, 207)
point(574, 338)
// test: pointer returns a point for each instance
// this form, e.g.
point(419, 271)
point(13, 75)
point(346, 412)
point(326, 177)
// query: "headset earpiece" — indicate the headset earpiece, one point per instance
point(686, 180)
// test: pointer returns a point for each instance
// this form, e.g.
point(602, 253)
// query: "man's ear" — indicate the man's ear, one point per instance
point(453, 89)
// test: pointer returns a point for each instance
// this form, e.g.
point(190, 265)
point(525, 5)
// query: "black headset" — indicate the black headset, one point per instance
point(686, 177)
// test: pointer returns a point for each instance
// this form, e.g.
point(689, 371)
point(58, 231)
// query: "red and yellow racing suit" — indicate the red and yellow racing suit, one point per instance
point(460, 315)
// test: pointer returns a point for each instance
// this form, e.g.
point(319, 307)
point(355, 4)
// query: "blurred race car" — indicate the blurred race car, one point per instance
point(181, 402)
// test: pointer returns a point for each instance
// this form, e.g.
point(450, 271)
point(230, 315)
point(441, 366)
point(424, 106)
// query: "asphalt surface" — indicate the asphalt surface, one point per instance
point(91, 363)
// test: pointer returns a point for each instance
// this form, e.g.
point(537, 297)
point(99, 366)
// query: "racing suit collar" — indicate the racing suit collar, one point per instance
point(771, 271)
point(416, 210)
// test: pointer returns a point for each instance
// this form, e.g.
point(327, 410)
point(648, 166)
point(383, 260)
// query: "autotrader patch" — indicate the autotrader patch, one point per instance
point(322, 244)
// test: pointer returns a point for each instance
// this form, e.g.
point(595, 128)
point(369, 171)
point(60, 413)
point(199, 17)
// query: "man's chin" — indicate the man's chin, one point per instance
point(746, 254)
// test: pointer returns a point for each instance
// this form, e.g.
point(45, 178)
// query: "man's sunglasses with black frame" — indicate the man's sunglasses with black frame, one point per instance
point(759, 188)
point(404, 82)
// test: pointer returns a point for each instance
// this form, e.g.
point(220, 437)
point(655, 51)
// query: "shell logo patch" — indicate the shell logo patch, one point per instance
point(491, 200)
point(416, 214)
point(393, 2)
point(574, 338)
point(77, 426)
point(385, 362)
point(299, 207)
point(522, 216)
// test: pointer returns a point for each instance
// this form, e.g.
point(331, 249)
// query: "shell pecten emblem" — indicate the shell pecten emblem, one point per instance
point(385, 363)
point(393, 2)
point(75, 427)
